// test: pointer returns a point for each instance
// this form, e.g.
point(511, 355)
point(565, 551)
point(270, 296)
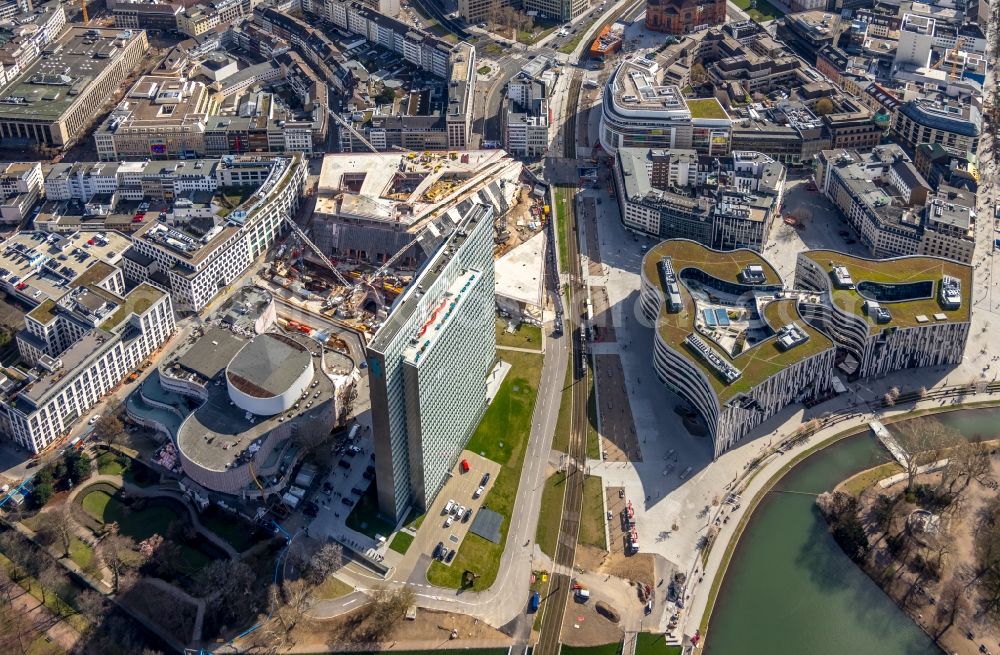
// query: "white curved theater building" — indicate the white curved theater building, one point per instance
point(248, 388)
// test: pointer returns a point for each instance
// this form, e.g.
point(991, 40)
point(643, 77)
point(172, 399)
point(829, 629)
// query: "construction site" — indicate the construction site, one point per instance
point(377, 219)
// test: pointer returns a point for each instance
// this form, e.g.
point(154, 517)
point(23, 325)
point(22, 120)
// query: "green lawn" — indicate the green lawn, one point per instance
point(525, 336)
point(649, 643)
point(80, 553)
point(502, 436)
point(536, 35)
point(560, 440)
point(483, 70)
point(606, 649)
point(364, 517)
point(592, 520)
point(762, 12)
point(331, 588)
point(55, 604)
point(551, 513)
point(142, 524)
point(154, 519)
point(855, 485)
point(401, 542)
point(568, 47)
point(564, 212)
point(108, 464)
point(229, 527)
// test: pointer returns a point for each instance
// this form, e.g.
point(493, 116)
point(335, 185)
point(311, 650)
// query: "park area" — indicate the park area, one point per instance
point(760, 11)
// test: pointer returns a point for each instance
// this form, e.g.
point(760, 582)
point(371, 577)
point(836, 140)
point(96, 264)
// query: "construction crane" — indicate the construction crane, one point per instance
point(319, 253)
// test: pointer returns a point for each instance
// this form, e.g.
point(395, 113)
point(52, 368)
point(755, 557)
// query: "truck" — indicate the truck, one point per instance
point(534, 602)
point(354, 432)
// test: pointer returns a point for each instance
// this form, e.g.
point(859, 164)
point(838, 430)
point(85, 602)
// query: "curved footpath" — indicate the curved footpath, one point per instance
point(753, 485)
point(157, 492)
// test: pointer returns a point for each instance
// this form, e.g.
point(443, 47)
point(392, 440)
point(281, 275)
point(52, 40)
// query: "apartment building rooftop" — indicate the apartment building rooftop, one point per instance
point(40, 265)
point(775, 335)
point(909, 287)
point(67, 67)
point(92, 345)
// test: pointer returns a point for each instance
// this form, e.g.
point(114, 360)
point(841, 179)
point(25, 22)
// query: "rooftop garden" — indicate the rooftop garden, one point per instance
point(706, 108)
point(756, 363)
point(43, 313)
point(902, 270)
point(139, 300)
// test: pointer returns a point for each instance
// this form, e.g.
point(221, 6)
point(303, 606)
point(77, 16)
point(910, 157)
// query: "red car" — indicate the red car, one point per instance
point(465, 466)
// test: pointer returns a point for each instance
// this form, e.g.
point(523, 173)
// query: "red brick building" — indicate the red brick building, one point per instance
point(683, 16)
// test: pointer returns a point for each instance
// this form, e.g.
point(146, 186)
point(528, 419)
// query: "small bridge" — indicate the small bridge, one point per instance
point(886, 439)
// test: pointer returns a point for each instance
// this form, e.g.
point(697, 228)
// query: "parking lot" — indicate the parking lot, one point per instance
point(334, 497)
point(459, 488)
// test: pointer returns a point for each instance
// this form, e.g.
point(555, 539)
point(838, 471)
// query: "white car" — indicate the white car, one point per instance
point(447, 522)
point(479, 492)
point(448, 507)
point(93, 419)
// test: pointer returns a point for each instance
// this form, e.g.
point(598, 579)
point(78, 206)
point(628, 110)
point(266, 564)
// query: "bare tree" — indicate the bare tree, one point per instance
point(17, 629)
point(57, 528)
point(118, 553)
point(110, 428)
point(50, 581)
point(19, 551)
point(92, 605)
point(922, 438)
point(966, 463)
point(952, 603)
point(387, 606)
point(324, 562)
point(292, 602)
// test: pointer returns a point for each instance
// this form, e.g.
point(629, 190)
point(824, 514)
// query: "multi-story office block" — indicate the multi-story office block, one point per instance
point(738, 345)
point(557, 9)
point(890, 205)
point(720, 202)
point(728, 338)
point(640, 110)
point(429, 362)
point(887, 315)
point(55, 98)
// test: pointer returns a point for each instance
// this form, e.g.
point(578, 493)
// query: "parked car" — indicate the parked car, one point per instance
point(439, 550)
point(478, 492)
point(344, 464)
point(467, 515)
point(450, 556)
point(484, 480)
point(347, 501)
point(356, 491)
point(447, 522)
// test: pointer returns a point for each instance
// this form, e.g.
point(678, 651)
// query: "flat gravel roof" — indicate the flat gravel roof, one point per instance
point(268, 365)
